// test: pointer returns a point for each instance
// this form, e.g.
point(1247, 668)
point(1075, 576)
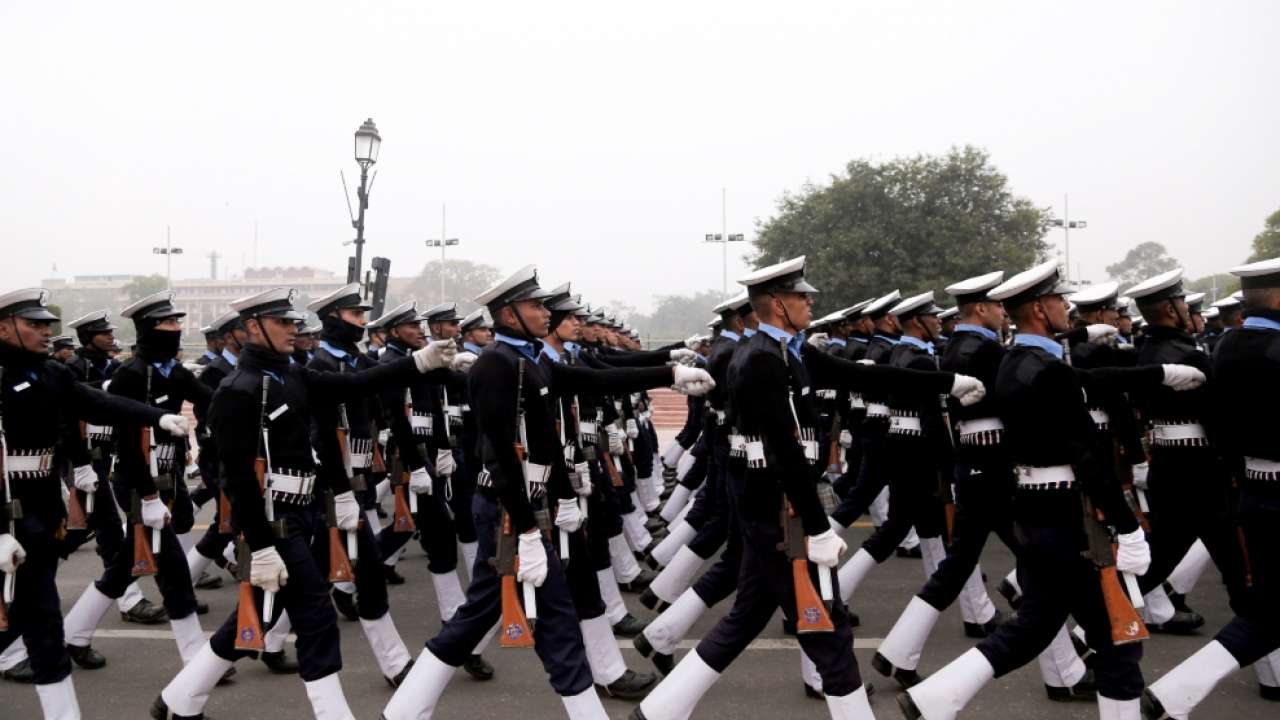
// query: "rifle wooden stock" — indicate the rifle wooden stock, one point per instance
point(339, 563)
point(4, 617)
point(615, 477)
point(1124, 471)
point(76, 519)
point(144, 561)
point(1126, 625)
point(403, 521)
point(833, 447)
point(224, 513)
point(344, 449)
point(248, 625)
point(516, 632)
point(811, 612)
point(260, 472)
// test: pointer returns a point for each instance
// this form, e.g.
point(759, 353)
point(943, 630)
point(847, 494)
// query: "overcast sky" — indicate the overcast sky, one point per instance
point(593, 138)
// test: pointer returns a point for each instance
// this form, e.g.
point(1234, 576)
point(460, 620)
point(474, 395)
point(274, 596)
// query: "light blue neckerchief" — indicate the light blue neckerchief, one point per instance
point(339, 353)
point(793, 342)
point(524, 347)
point(984, 332)
point(917, 342)
point(1261, 323)
point(1049, 345)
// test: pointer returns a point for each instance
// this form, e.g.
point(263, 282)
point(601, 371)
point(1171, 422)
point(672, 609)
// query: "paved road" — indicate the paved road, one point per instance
point(763, 683)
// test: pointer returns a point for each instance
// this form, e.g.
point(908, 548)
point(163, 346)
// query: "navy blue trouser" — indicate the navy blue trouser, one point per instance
point(556, 635)
point(913, 497)
point(305, 597)
point(173, 576)
point(371, 583)
point(36, 615)
point(1255, 630)
point(764, 585)
point(580, 574)
point(1056, 582)
point(103, 522)
point(436, 531)
point(714, 529)
point(872, 475)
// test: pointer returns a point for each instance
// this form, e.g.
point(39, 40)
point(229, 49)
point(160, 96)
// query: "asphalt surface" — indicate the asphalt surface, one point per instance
point(763, 683)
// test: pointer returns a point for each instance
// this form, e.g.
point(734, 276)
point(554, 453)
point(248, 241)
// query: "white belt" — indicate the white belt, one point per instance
point(904, 425)
point(738, 445)
point(421, 423)
point(719, 416)
point(587, 429)
point(361, 460)
point(1178, 435)
point(37, 464)
point(453, 411)
point(856, 401)
point(291, 484)
point(1100, 418)
point(980, 431)
point(875, 409)
point(826, 394)
point(535, 473)
point(99, 432)
point(1056, 477)
point(1261, 469)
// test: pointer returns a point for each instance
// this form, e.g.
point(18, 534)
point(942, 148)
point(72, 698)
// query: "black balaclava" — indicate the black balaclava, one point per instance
point(156, 345)
point(339, 332)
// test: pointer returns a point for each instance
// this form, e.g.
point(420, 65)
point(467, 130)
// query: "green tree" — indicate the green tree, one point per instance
point(144, 285)
point(1225, 284)
point(676, 317)
point(1140, 263)
point(915, 223)
point(463, 280)
point(1266, 244)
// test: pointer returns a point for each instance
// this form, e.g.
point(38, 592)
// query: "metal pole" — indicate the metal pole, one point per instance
point(363, 193)
point(724, 255)
point(168, 259)
point(443, 237)
point(1066, 230)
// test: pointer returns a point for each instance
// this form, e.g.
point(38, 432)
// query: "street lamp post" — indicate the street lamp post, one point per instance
point(168, 251)
point(442, 242)
point(367, 144)
point(1067, 225)
point(724, 238)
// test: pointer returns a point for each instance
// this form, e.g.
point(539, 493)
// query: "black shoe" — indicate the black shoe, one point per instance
point(146, 613)
point(980, 631)
point(20, 673)
point(233, 569)
point(810, 692)
point(663, 662)
point(160, 711)
point(202, 608)
point(346, 604)
point(906, 678)
point(86, 657)
point(279, 663)
point(637, 715)
point(639, 583)
point(649, 598)
point(392, 576)
point(1010, 593)
point(631, 686)
point(1086, 690)
point(226, 676)
point(1268, 692)
point(382, 514)
point(208, 582)
point(908, 707)
point(854, 620)
point(1151, 707)
point(654, 524)
point(1182, 623)
point(478, 668)
point(629, 626)
point(651, 561)
point(400, 676)
point(913, 553)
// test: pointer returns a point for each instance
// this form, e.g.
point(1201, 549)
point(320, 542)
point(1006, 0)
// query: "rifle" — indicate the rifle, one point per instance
point(261, 463)
point(834, 464)
point(345, 450)
point(1126, 625)
point(339, 562)
point(403, 520)
point(517, 627)
point(1125, 473)
point(945, 492)
point(144, 559)
point(14, 511)
point(164, 482)
point(812, 612)
point(248, 626)
point(84, 437)
point(76, 519)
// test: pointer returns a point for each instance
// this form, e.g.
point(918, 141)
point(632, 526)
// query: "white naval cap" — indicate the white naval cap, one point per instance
point(1124, 306)
point(94, 322)
point(347, 296)
point(1161, 287)
point(1261, 274)
point(476, 320)
point(1230, 302)
point(921, 304)
point(880, 306)
point(403, 314)
point(949, 313)
point(225, 322)
point(520, 285)
point(276, 302)
point(444, 312)
point(309, 329)
point(786, 276)
point(1029, 285)
point(828, 319)
point(1102, 295)
point(975, 289)
point(715, 322)
point(734, 304)
point(1194, 301)
point(855, 311)
point(1210, 313)
point(157, 306)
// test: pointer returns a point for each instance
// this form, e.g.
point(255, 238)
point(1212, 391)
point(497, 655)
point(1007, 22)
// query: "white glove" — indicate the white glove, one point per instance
point(437, 354)
point(267, 570)
point(615, 439)
point(444, 462)
point(175, 425)
point(692, 381)
point(1140, 475)
point(533, 559)
point(420, 481)
point(381, 489)
point(1133, 555)
point(154, 513)
point(346, 511)
point(633, 429)
point(86, 479)
point(11, 554)
point(1101, 333)
point(1182, 377)
point(968, 390)
point(819, 340)
point(568, 516)
point(846, 439)
point(671, 456)
point(825, 549)
point(463, 361)
point(684, 356)
point(836, 527)
point(692, 342)
point(583, 471)
point(865, 361)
